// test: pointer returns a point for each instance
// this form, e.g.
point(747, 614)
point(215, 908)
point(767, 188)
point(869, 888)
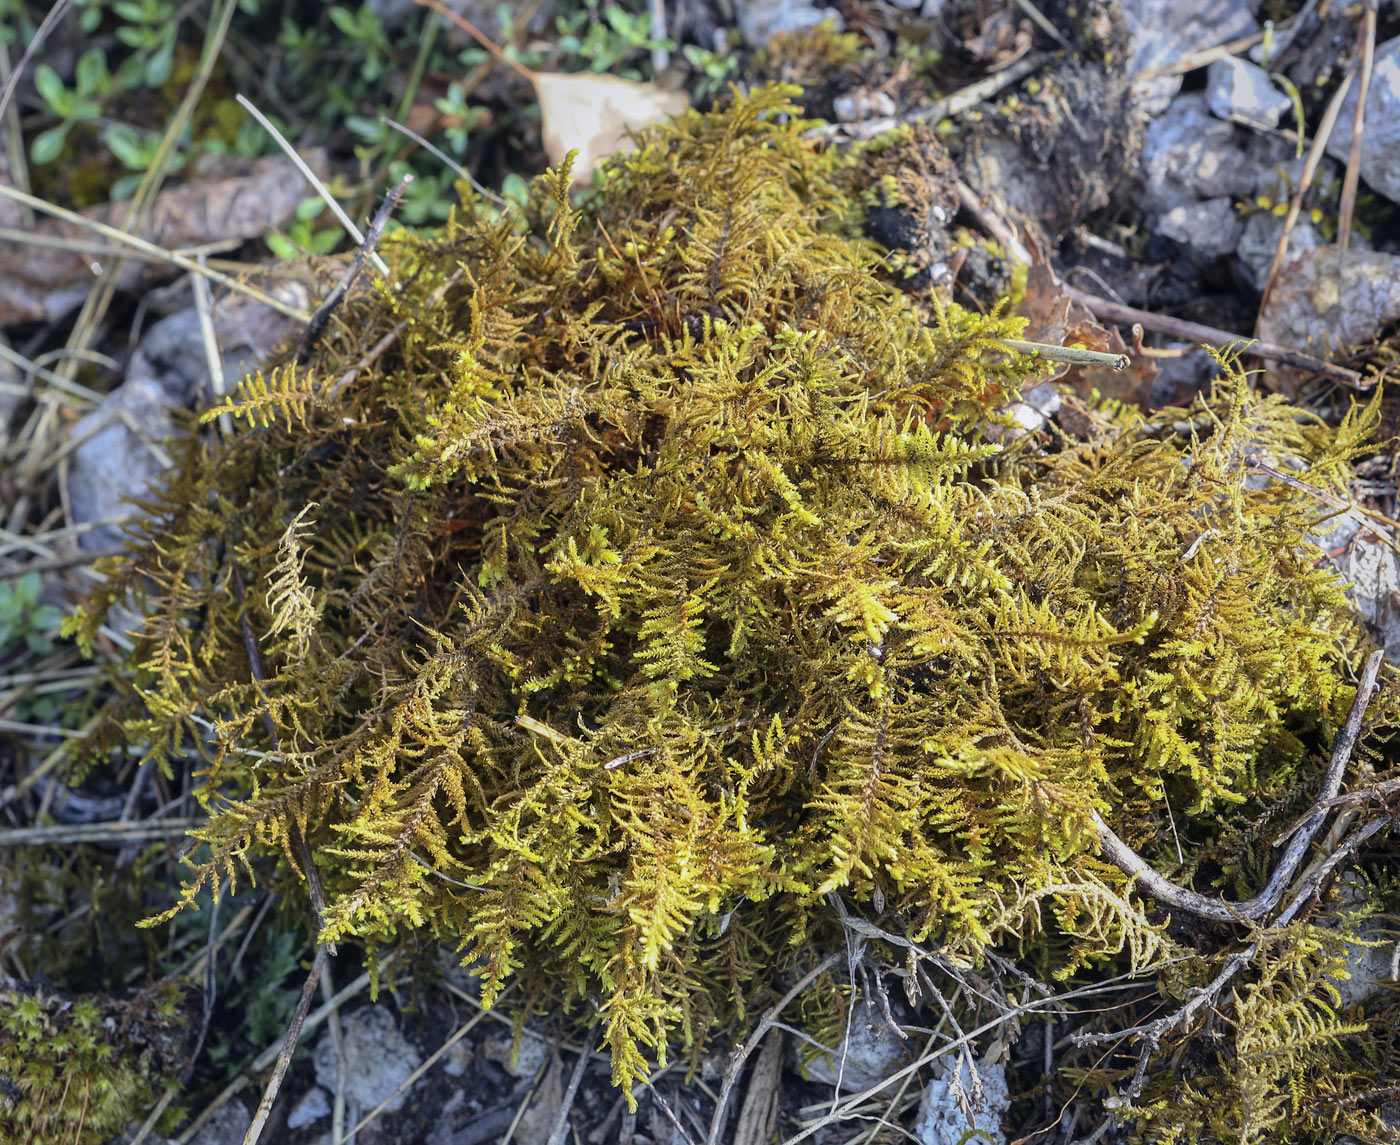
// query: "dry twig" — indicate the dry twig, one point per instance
point(1367, 51)
point(1254, 909)
point(1208, 335)
point(740, 1055)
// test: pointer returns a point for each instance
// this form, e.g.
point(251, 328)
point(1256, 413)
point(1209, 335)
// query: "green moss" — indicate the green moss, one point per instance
point(629, 579)
point(76, 1070)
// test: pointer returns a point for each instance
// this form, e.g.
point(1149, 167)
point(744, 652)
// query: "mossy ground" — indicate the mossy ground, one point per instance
point(623, 584)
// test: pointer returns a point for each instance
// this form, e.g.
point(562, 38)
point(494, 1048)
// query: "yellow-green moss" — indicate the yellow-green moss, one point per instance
point(631, 577)
point(77, 1070)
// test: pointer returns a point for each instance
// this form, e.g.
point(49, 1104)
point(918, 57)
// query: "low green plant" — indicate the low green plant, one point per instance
point(303, 237)
point(609, 36)
point(24, 619)
point(716, 68)
point(82, 103)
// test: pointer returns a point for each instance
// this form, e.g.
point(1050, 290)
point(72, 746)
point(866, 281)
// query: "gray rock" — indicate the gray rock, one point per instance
point(1372, 573)
point(1211, 227)
point(1164, 31)
point(761, 20)
point(1328, 298)
point(868, 1053)
point(524, 1060)
point(172, 352)
point(1189, 154)
point(315, 1104)
point(228, 1126)
point(1368, 960)
point(1380, 139)
point(942, 1120)
point(114, 462)
point(1239, 89)
point(378, 1059)
point(169, 368)
point(861, 105)
point(1259, 239)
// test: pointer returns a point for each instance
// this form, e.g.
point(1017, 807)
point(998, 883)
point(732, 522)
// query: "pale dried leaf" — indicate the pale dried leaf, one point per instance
point(593, 114)
point(39, 283)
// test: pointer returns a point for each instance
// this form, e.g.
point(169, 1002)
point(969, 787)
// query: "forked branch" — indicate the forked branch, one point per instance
point(1252, 910)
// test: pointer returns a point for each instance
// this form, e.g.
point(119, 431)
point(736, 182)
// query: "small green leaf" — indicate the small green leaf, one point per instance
point(92, 76)
point(161, 64)
point(50, 87)
point(309, 208)
point(127, 146)
point(29, 586)
point(283, 247)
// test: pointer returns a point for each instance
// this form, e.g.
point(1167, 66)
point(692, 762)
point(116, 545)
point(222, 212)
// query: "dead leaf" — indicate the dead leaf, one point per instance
point(1059, 320)
point(43, 283)
point(595, 114)
point(585, 112)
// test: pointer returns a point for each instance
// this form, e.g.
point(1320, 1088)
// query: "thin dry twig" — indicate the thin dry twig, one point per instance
point(115, 833)
point(87, 327)
point(1074, 356)
point(561, 1121)
point(992, 223)
point(1152, 1033)
point(1310, 165)
point(317, 326)
point(155, 252)
point(310, 176)
point(1367, 51)
point(740, 1055)
point(1208, 335)
point(1051, 1004)
point(944, 108)
point(289, 1045)
point(1253, 909)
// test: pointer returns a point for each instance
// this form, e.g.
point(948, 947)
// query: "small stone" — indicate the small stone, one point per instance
point(228, 1126)
point(377, 1058)
point(1329, 298)
point(1188, 154)
point(1165, 31)
point(1238, 89)
point(314, 1105)
point(1259, 239)
point(114, 462)
point(868, 1054)
point(172, 352)
point(526, 1063)
point(1380, 137)
point(1210, 227)
point(941, 1119)
point(456, 1060)
point(862, 105)
point(761, 20)
point(1029, 415)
